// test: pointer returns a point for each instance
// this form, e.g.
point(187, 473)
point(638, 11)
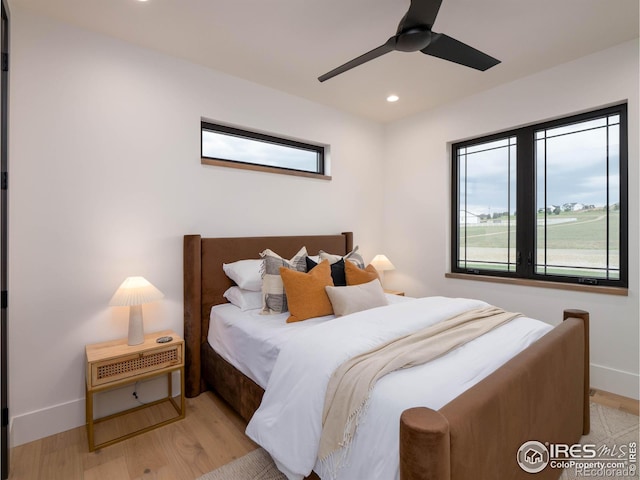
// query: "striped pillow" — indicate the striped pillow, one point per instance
point(274, 299)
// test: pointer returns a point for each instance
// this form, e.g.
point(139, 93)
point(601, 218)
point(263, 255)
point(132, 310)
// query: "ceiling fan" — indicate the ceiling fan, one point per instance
point(414, 33)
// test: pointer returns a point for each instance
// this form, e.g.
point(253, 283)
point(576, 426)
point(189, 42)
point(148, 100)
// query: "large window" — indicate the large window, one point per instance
point(233, 147)
point(545, 202)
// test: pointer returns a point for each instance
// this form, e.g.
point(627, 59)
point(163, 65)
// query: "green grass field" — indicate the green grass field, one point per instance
point(586, 232)
point(573, 239)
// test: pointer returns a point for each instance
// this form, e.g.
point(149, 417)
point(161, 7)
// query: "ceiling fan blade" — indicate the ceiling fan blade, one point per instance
point(375, 53)
point(421, 13)
point(447, 48)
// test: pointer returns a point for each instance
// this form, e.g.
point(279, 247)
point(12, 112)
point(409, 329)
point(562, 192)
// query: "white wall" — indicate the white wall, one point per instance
point(106, 179)
point(417, 193)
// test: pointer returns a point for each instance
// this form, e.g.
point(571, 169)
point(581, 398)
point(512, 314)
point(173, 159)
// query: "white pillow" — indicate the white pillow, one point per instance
point(355, 298)
point(244, 299)
point(246, 274)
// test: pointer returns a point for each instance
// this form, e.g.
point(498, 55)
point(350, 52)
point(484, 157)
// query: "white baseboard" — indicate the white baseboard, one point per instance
point(615, 381)
point(48, 421)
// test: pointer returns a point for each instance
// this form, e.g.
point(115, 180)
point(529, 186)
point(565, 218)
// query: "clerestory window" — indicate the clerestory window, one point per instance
point(233, 147)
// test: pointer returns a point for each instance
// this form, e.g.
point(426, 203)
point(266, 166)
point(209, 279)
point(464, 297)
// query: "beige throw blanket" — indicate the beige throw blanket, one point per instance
point(351, 384)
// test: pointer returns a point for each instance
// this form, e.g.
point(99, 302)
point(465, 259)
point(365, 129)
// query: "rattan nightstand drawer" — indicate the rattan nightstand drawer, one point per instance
point(126, 366)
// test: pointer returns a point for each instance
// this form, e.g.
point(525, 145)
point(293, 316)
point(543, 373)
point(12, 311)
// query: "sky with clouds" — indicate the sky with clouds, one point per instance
point(576, 169)
point(229, 147)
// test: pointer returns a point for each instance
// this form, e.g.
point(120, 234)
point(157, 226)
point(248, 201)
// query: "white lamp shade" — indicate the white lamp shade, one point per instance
point(382, 263)
point(135, 291)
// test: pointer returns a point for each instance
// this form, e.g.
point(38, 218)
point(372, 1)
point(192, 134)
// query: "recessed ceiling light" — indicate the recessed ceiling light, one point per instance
point(393, 98)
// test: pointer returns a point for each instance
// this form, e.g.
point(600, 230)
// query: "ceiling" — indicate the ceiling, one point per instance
point(287, 44)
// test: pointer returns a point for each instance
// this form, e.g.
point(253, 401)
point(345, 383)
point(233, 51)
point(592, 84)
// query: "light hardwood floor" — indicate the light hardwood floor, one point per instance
point(615, 401)
point(210, 436)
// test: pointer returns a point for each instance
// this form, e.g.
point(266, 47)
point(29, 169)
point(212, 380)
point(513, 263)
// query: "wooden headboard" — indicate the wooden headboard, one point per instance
point(205, 281)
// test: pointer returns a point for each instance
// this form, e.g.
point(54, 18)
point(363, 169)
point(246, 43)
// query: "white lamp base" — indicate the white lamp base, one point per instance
point(136, 327)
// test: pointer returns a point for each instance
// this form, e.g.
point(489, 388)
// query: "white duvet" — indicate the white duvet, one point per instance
point(288, 423)
point(251, 341)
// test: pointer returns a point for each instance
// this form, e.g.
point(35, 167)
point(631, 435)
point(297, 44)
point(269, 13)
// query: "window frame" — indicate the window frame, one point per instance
point(526, 219)
point(319, 150)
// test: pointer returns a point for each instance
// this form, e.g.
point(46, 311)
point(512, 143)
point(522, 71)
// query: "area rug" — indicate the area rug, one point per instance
point(608, 427)
point(612, 429)
point(256, 465)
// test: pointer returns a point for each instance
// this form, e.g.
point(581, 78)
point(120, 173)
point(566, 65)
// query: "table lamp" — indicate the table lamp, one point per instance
point(133, 292)
point(382, 263)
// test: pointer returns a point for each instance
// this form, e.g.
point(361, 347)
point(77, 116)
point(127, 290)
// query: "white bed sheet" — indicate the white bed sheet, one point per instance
point(293, 403)
point(251, 342)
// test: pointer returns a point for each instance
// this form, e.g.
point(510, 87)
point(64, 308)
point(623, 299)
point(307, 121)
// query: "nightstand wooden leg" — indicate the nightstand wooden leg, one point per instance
point(89, 413)
point(182, 395)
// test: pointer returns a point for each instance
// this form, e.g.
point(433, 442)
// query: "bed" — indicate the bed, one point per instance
point(540, 394)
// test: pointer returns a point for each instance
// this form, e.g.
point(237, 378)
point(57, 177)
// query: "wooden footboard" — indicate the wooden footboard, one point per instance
point(541, 394)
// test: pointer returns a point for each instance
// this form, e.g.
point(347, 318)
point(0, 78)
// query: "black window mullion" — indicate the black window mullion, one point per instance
point(546, 211)
point(455, 209)
point(466, 209)
point(509, 205)
point(608, 203)
point(525, 195)
point(624, 200)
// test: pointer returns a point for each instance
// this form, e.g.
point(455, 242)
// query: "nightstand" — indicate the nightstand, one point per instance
point(394, 292)
point(113, 364)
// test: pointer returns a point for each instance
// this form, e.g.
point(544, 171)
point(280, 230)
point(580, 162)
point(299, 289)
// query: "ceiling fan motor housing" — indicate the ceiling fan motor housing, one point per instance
point(413, 39)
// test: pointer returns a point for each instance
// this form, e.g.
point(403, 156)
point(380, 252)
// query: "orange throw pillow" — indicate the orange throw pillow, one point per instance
point(358, 276)
point(306, 295)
